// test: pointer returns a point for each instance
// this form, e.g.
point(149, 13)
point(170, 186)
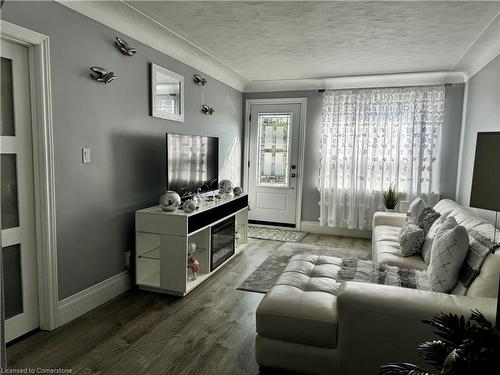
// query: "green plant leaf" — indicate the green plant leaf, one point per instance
point(434, 352)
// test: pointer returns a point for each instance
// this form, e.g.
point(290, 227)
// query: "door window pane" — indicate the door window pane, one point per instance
point(13, 287)
point(9, 213)
point(273, 149)
point(7, 125)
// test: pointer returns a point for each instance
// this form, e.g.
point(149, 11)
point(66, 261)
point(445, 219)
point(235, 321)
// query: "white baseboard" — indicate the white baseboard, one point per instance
point(315, 227)
point(82, 302)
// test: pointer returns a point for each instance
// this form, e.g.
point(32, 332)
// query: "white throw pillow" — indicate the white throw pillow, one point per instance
point(411, 238)
point(448, 252)
point(416, 208)
point(441, 222)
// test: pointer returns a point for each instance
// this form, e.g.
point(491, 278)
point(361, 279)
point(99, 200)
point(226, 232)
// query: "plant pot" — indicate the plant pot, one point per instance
point(389, 209)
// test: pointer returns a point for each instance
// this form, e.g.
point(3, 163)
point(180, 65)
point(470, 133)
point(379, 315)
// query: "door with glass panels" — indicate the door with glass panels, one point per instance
point(273, 167)
point(17, 194)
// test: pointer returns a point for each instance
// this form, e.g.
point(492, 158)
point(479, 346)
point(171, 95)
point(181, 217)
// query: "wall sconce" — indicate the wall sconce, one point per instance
point(199, 80)
point(102, 75)
point(124, 47)
point(207, 110)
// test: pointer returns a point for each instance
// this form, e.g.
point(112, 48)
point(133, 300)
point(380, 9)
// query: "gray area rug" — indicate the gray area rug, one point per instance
point(274, 234)
point(266, 275)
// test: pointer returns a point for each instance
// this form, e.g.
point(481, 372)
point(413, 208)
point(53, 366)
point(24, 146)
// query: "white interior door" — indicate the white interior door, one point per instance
point(273, 163)
point(17, 194)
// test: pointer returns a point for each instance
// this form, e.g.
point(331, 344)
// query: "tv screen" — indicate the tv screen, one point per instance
point(192, 164)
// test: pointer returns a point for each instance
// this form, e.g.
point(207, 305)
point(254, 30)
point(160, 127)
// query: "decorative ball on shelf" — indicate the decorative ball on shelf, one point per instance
point(191, 247)
point(237, 191)
point(225, 187)
point(189, 206)
point(170, 201)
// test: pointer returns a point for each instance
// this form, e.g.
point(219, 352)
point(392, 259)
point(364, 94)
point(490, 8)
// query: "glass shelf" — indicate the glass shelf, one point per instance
point(151, 254)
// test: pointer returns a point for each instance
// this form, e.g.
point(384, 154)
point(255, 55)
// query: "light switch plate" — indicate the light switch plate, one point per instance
point(86, 155)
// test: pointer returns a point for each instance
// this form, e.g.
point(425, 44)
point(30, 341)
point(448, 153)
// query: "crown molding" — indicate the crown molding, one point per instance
point(127, 20)
point(482, 50)
point(366, 81)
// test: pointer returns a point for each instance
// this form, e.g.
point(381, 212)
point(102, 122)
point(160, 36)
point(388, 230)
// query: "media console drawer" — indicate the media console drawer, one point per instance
point(204, 218)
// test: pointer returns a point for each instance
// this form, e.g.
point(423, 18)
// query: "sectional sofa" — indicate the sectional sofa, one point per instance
point(310, 323)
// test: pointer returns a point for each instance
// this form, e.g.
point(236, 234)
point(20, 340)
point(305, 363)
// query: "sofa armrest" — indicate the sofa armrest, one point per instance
point(395, 219)
point(380, 324)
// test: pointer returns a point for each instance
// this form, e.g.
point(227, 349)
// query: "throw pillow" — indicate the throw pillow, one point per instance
point(416, 208)
point(480, 246)
point(411, 239)
point(448, 223)
point(427, 218)
point(447, 255)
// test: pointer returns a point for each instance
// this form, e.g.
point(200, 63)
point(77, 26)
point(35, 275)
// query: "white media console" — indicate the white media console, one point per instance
point(162, 240)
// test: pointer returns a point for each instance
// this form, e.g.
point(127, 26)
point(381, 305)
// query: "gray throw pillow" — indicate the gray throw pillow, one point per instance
point(416, 208)
point(441, 222)
point(411, 238)
point(447, 255)
point(427, 218)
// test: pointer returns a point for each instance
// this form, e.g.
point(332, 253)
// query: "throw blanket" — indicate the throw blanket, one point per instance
point(367, 271)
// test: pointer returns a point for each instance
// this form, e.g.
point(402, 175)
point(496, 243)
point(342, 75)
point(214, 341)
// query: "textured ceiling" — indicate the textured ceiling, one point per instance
point(290, 40)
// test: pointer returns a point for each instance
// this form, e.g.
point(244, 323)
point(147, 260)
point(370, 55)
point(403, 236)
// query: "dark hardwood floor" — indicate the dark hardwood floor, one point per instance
point(210, 331)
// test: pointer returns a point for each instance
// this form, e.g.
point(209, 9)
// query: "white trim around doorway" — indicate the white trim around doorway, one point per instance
point(43, 166)
point(302, 137)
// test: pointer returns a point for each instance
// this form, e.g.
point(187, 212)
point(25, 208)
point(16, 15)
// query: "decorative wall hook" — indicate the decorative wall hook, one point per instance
point(124, 47)
point(207, 110)
point(199, 80)
point(102, 75)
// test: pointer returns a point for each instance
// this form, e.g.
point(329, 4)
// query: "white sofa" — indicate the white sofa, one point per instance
point(310, 323)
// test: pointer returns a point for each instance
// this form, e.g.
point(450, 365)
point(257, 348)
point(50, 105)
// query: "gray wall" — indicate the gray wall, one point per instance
point(310, 195)
point(96, 202)
point(482, 114)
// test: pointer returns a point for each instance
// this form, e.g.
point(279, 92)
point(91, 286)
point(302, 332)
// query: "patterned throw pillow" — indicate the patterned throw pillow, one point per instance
point(427, 218)
point(411, 239)
point(480, 247)
point(441, 222)
point(447, 255)
point(416, 208)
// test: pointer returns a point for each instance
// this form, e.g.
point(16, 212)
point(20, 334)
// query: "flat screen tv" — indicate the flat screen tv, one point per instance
point(192, 164)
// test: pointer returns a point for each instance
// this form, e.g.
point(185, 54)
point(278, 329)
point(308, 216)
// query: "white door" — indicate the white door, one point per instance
point(17, 194)
point(273, 163)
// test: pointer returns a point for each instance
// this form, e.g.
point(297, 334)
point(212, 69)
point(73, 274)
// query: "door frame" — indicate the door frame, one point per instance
point(301, 150)
point(43, 167)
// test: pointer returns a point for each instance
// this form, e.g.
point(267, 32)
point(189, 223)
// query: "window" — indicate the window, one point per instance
point(372, 138)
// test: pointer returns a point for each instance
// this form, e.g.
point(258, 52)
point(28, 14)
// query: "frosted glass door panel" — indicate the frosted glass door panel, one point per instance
point(9, 212)
point(13, 287)
point(7, 125)
point(273, 154)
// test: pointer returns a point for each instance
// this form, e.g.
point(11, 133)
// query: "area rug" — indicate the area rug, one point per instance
point(274, 234)
point(266, 275)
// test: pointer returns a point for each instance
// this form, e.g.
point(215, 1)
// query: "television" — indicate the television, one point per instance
point(192, 164)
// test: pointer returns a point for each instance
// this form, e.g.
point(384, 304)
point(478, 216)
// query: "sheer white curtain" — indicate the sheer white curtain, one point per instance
point(372, 138)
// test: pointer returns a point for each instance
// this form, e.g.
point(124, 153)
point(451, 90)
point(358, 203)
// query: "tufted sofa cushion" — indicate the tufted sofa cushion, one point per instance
point(302, 306)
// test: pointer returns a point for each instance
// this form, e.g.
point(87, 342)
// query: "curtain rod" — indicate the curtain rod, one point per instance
point(391, 87)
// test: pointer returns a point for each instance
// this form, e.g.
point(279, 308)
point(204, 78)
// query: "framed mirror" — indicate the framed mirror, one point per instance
point(167, 94)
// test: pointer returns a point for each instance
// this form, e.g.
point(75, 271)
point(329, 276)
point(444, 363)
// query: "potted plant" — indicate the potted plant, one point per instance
point(466, 347)
point(391, 198)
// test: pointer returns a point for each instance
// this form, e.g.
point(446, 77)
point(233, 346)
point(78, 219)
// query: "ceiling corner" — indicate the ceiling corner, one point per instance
point(126, 20)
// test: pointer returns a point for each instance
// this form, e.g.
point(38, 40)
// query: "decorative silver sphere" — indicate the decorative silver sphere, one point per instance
point(237, 191)
point(191, 247)
point(170, 201)
point(225, 187)
point(189, 206)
